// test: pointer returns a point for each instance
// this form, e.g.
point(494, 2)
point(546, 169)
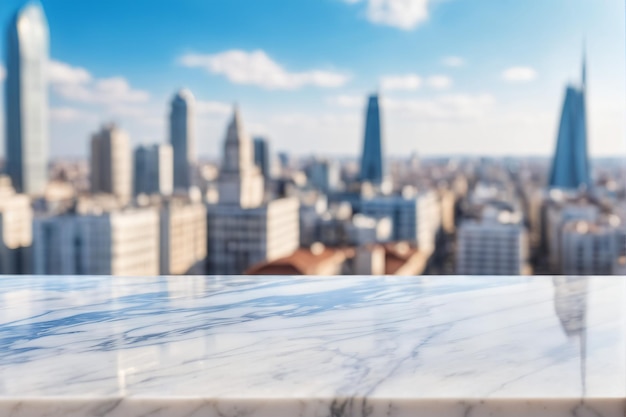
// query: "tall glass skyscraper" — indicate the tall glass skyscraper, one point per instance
point(26, 104)
point(372, 161)
point(570, 168)
point(182, 138)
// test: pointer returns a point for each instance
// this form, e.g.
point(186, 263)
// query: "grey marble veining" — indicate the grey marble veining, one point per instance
point(312, 347)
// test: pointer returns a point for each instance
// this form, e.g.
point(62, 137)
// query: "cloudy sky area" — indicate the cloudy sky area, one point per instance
point(457, 76)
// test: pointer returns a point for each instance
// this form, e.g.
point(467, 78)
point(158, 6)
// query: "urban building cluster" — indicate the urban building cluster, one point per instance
point(158, 209)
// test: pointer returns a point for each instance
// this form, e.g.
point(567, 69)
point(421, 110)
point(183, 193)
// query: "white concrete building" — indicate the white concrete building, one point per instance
point(496, 244)
point(111, 163)
point(16, 217)
point(240, 238)
point(154, 170)
point(124, 243)
point(183, 235)
point(243, 229)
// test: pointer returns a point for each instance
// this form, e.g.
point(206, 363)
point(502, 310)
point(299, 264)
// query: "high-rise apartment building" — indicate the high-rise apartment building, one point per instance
point(182, 138)
point(16, 218)
point(26, 104)
point(570, 167)
point(243, 229)
point(111, 163)
point(183, 237)
point(495, 244)
point(124, 243)
point(372, 159)
point(154, 170)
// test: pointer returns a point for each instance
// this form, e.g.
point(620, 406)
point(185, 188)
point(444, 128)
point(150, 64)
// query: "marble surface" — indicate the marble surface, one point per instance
point(312, 347)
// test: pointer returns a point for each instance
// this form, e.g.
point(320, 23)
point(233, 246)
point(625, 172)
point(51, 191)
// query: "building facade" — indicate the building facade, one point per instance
point(26, 105)
point(496, 244)
point(182, 138)
point(262, 157)
point(122, 243)
point(183, 234)
point(111, 163)
point(16, 217)
point(372, 159)
point(570, 167)
point(153, 170)
point(243, 229)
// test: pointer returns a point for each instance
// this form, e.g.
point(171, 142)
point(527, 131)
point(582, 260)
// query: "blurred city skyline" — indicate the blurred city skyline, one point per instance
point(454, 78)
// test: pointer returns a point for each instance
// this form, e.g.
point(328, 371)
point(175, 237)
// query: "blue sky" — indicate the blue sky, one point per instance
point(457, 76)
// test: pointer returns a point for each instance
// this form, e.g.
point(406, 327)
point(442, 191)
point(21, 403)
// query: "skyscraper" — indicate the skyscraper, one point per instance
point(153, 170)
point(111, 164)
point(182, 138)
point(240, 182)
point(570, 167)
point(262, 155)
point(372, 162)
point(243, 229)
point(27, 100)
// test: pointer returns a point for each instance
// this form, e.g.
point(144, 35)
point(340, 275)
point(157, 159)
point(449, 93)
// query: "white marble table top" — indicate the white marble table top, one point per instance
point(312, 347)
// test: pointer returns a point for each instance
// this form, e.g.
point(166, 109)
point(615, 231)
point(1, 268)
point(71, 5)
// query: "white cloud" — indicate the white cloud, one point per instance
point(519, 74)
point(441, 107)
point(408, 82)
point(348, 101)
point(213, 108)
point(439, 82)
point(401, 14)
point(3, 73)
point(77, 84)
point(453, 61)
point(257, 68)
point(68, 114)
point(446, 107)
point(62, 73)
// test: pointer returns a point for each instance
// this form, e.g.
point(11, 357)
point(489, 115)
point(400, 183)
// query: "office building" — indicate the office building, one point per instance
point(570, 167)
point(323, 175)
point(589, 248)
point(262, 157)
point(240, 182)
point(243, 229)
point(123, 243)
point(372, 159)
point(182, 138)
point(494, 244)
point(416, 216)
point(26, 105)
point(15, 230)
point(153, 166)
point(111, 164)
point(183, 235)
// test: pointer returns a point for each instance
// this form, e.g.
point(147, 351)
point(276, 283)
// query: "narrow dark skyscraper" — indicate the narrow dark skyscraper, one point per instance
point(372, 160)
point(26, 104)
point(182, 138)
point(570, 167)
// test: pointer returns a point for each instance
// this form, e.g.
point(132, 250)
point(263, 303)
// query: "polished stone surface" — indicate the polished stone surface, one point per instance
point(312, 347)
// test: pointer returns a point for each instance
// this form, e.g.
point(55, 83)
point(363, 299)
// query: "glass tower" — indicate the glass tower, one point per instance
point(182, 138)
point(26, 94)
point(570, 167)
point(372, 163)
